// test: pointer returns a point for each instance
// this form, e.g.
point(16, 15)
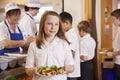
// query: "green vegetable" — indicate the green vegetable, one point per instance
point(53, 67)
point(52, 70)
point(47, 68)
point(40, 69)
point(60, 70)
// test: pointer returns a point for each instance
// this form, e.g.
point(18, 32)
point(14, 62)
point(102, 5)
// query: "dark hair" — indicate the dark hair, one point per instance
point(85, 26)
point(41, 34)
point(13, 12)
point(66, 16)
point(116, 13)
point(27, 8)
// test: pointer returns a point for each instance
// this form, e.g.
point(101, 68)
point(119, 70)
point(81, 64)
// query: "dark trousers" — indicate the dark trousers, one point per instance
point(71, 78)
point(86, 70)
point(117, 71)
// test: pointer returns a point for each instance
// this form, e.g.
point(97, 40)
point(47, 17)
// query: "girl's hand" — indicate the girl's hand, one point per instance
point(36, 72)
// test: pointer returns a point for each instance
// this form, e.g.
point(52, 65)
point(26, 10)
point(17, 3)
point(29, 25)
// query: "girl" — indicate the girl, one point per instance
point(50, 48)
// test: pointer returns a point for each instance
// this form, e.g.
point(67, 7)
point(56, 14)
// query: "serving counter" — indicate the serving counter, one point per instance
point(12, 65)
point(17, 71)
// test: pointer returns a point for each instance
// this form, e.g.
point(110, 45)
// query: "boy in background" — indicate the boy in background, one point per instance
point(72, 36)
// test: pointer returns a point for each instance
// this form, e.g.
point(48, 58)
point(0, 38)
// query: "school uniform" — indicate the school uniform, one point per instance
point(73, 37)
point(7, 33)
point(117, 58)
point(28, 25)
point(55, 53)
point(87, 48)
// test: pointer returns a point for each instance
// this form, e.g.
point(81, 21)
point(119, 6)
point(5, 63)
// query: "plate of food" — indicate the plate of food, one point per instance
point(50, 71)
point(15, 54)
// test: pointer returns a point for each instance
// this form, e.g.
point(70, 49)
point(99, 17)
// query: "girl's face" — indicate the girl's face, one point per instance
point(116, 21)
point(51, 26)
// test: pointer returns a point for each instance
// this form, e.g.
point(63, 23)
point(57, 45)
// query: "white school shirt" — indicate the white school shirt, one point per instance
point(73, 37)
point(117, 46)
point(4, 33)
point(55, 53)
point(87, 46)
point(28, 25)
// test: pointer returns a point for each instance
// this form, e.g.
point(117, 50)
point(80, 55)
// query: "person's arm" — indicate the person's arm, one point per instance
point(83, 57)
point(83, 51)
point(30, 67)
point(69, 62)
point(30, 71)
point(68, 68)
point(116, 53)
point(113, 54)
point(17, 43)
point(73, 53)
point(13, 43)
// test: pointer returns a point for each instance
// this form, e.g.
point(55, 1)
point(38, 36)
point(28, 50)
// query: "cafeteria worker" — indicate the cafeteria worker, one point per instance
point(27, 21)
point(11, 38)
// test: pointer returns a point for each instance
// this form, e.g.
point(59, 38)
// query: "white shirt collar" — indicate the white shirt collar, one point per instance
point(16, 29)
point(86, 36)
point(29, 15)
point(55, 41)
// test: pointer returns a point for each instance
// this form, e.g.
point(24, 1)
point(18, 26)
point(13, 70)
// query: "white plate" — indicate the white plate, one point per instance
point(16, 54)
point(53, 75)
point(50, 75)
point(101, 52)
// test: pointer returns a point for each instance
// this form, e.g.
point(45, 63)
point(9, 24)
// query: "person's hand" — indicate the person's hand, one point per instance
point(36, 71)
point(28, 40)
point(110, 54)
point(84, 58)
point(2, 45)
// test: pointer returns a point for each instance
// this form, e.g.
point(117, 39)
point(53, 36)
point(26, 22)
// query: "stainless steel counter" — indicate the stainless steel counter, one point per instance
point(11, 65)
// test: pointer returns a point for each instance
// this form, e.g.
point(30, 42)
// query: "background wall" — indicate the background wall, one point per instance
point(76, 8)
point(56, 3)
point(106, 24)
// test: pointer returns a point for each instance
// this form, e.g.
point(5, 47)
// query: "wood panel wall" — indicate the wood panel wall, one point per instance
point(106, 32)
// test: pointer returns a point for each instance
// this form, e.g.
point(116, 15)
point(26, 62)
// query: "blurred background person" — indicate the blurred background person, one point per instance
point(72, 36)
point(116, 53)
point(27, 22)
point(11, 38)
point(87, 50)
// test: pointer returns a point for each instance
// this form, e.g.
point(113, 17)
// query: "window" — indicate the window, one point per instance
point(43, 8)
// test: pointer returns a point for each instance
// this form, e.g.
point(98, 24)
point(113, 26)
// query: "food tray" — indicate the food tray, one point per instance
point(16, 54)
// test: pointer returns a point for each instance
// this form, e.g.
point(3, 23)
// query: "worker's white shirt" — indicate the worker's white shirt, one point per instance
point(28, 25)
point(73, 37)
point(55, 53)
point(4, 33)
point(117, 46)
point(87, 46)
